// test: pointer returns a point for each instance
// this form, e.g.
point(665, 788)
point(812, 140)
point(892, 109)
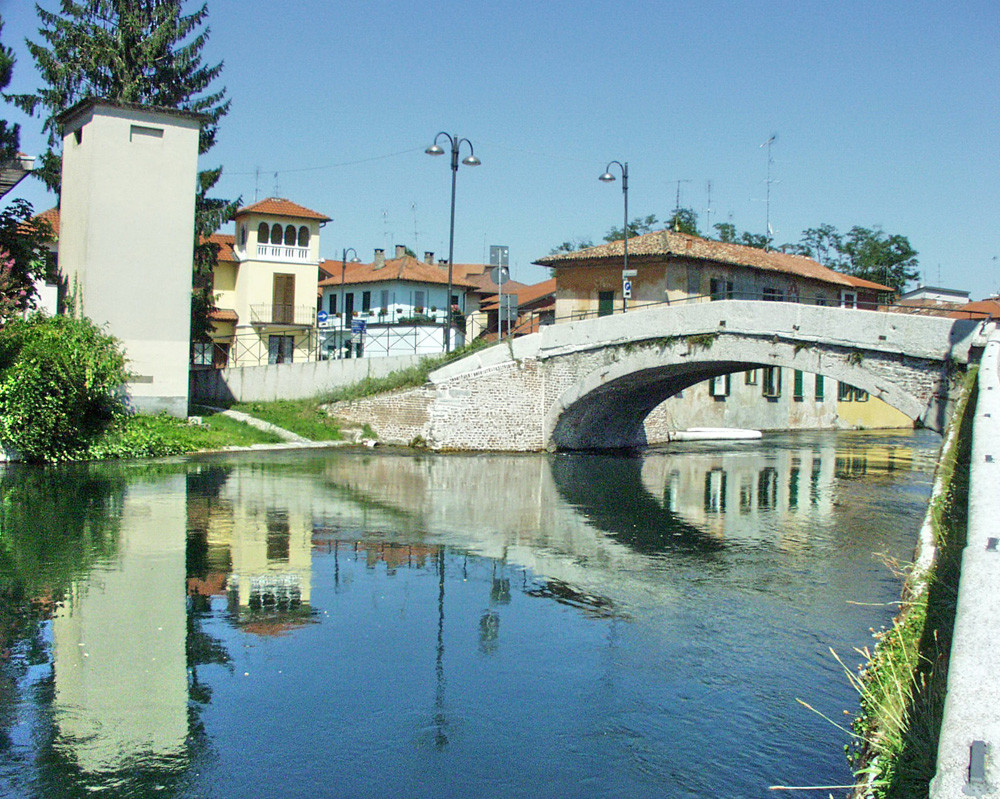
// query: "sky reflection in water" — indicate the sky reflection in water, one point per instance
point(359, 624)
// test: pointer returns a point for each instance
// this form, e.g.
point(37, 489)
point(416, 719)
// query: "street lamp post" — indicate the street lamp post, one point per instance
point(469, 160)
point(607, 177)
point(343, 313)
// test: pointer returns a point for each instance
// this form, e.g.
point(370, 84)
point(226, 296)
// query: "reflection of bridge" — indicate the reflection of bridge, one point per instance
point(591, 384)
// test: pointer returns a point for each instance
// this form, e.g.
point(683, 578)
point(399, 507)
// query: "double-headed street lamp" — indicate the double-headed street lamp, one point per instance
point(343, 307)
point(607, 177)
point(469, 160)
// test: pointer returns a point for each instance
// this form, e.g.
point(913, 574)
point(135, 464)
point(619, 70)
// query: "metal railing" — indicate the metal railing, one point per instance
point(280, 314)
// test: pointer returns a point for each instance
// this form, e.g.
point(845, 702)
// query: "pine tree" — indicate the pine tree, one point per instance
point(134, 51)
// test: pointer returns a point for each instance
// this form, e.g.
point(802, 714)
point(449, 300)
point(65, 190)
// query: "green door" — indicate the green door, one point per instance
point(605, 303)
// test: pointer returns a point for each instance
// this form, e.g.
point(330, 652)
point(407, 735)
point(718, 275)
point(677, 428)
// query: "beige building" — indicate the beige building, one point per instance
point(265, 286)
point(671, 267)
point(125, 237)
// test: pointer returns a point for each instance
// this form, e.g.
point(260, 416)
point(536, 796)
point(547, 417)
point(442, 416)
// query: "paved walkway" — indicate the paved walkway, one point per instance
point(969, 747)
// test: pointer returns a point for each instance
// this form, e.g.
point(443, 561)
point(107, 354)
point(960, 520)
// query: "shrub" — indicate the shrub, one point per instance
point(61, 386)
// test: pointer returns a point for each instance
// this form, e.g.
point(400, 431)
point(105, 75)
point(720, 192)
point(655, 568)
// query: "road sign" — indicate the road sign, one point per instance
point(627, 289)
point(322, 317)
point(500, 275)
point(628, 273)
point(358, 326)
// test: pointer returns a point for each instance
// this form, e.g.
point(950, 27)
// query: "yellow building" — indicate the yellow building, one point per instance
point(265, 287)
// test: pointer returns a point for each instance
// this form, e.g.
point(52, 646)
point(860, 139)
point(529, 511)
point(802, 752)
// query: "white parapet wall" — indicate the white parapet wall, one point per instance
point(289, 380)
point(969, 747)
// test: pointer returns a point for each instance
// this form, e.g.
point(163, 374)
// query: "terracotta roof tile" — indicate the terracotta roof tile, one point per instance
point(278, 206)
point(226, 241)
point(223, 315)
point(665, 243)
point(52, 217)
point(407, 269)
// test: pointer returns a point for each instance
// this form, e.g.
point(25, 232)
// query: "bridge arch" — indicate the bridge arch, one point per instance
point(607, 406)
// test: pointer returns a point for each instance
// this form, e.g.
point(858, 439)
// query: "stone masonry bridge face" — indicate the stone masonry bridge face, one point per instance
point(591, 384)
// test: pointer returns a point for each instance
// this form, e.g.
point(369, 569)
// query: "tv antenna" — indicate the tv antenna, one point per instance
point(708, 210)
point(767, 213)
point(416, 233)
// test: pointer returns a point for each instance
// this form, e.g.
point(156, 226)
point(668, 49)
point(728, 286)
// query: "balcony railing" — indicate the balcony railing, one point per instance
point(279, 314)
point(282, 252)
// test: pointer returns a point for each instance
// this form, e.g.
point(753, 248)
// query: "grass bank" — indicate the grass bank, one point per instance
point(902, 685)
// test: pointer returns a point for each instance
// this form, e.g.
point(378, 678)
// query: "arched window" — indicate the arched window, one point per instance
point(262, 231)
point(276, 233)
point(303, 236)
point(290, 236)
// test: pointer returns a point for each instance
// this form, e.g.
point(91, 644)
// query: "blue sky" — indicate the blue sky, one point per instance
point(886, 114)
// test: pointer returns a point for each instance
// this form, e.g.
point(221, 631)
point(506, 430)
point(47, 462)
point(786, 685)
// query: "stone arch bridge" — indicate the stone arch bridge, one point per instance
point(590, 384)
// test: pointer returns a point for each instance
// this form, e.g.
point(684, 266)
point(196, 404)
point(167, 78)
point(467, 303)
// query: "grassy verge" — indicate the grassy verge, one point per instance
point(306, 418)
point(156, 436)
point(902, 686)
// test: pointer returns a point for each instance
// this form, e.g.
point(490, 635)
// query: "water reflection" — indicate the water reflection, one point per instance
point(388, 606)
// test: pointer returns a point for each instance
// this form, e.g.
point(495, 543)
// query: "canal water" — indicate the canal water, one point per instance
point(378, 623)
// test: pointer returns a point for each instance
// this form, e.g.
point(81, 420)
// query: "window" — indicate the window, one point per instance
point(263, 233)
point(243, 235)
point(721, 289)
point(333, 304)
point(143, 132)
point(798, 393)
point(719, 387)
point(750, 377)
point(605, 303)
point(384, 300)
point(290, 235)
point(767, 488)
point(772, 295)
point(276, 233)
point(860, 395)
point(280, 349)
point(771, 382)
point(366, 301)
point(715, 491)
point(419, 298)
point(201, 353)
point(283, 293)
point(820, 393)
point(848, 299)
point(848, 393)
point(303, 236)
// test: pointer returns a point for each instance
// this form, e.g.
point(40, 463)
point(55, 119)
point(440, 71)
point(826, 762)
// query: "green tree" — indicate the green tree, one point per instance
point(10, 135)
point(872, 254)
point(637, 227)
point(758, 240)
point(22, 253)
point(134, 51)
point(684, 220)
point(581, 243)
point(823, 244)
point(726, 232)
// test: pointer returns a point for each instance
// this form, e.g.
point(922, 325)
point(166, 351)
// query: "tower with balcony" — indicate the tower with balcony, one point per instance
point(265, 286)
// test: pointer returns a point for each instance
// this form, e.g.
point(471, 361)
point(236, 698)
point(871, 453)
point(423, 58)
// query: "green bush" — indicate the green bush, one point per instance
point(61, 386)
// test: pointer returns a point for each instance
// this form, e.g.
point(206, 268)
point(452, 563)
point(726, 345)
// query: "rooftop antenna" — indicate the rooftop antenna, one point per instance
point(416, 233)
point(767, 213)
point(708, 210)
point(277, 187)
point(677, 201)
point(256, 183)
point(385, 228)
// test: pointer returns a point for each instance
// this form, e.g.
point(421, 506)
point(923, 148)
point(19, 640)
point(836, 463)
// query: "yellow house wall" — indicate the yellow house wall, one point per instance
point(871, 414)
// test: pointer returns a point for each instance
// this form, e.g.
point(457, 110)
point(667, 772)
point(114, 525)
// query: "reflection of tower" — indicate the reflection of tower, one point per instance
point(118, 644)
point(440, 720)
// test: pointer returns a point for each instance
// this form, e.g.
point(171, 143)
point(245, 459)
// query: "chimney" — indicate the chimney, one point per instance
point(429, 258)
point(400, 250)
point(379, 259)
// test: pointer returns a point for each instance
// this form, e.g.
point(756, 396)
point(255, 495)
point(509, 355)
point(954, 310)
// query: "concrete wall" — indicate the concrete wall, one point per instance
point(970, 729)
point(126, 234)
point(288, 380)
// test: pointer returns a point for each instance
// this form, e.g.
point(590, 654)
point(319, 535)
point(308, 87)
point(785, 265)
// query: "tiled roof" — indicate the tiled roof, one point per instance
point(665, 243)
point(223, 315)
point(407, 269)
point(52, 217)
point(278, 206)
point(226, 241)
point(526, 295)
